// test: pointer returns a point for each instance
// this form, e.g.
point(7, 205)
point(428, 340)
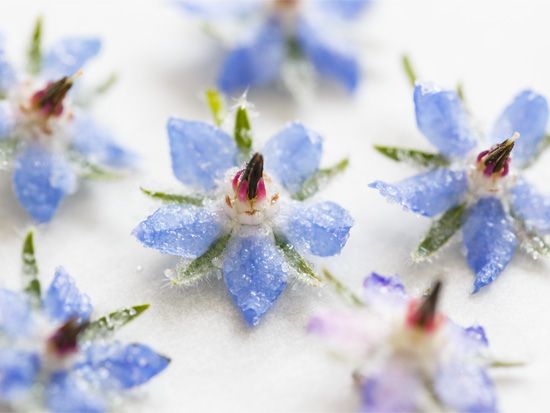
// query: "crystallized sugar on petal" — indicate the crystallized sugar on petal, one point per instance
point(68, 55)
point(531, 206)
point(489, 239)
point(18, 372)
point(378, 287)
point(201, 153)
point(465, 387)
point(41, 180)
point(429, 194)
point(256, 63)
point(528, 115)
point(293, 155)
point(322, 229)
point(442, 119)
point(66, 393)
point(183, 230)
point(255, 273)
point(15, 313)
point(121, 366)
point(63, 299)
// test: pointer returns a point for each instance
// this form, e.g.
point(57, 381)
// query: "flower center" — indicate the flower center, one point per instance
point(422, 315)
point(64, 340)
point(247, 202)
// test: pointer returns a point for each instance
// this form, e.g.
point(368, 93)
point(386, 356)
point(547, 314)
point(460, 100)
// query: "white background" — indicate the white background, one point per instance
point(164, 61)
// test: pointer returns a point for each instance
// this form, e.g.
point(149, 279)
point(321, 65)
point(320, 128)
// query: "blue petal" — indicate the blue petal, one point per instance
point(42, 179)
point(293, 155)
point(121, 366)
point(532, 207)
point(255, 274)
point(18, 372)
point(528, 115)
point(329, 58)
point(7, 121)
point(15, 312)
point(347, 9)
point(465, 387)
point(489, 239)
point(382, 284)
point(442, 119)
point(68, 55)
point(478, 334)
point(256, 63)
point(429, 193)
point(63, 299)
point(98, 145)
point(201, 153)
point(182, 230)
point(322, 229)
point(217, 9)
point(7, 74)
point(66, 393)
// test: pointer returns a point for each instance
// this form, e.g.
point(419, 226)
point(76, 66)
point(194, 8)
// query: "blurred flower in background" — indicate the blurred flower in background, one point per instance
point(285, 40)
point(53, 356)
point(47, 137)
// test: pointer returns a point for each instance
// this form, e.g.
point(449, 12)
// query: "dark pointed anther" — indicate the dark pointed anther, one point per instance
point(497, 159)
point(252, 174)
point(49, 100)
point(425, 312)
point(65, 340)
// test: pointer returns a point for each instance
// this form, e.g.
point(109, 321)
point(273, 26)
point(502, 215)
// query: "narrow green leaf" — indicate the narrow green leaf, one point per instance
point(532, 243)
point(296, 261)
point(243, 132)
point(201, 266)
point(342, 289)
point(543, 146)
point(412, 156)
point(460, 91)
point(175, 198)
point(409, 71)
point(320, 179)
point(107, 84)
point(113, 321)
point(506, 363)
point(440, 232)
point(215, 103)
point(30, 268)
point(34, 53)
point(8, 148)
point(91, 171)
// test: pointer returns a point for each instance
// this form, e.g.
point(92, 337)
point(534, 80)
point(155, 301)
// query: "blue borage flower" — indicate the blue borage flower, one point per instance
point(290, 37)
point(244, 224)
point(409, 356)
point(53, 355)
point(480, 191)
point(45, 137)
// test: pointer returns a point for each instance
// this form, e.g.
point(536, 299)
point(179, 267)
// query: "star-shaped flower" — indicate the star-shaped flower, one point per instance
point(245, 224)
point(286, 39)
point(46, 138)
point(410, 357)
point(53, 356)
point(480, 190)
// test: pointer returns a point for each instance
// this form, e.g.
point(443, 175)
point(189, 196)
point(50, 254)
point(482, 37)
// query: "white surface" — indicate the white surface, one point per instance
point(164, 61)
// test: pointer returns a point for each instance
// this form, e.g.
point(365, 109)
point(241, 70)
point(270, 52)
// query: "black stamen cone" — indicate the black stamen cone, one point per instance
point(426, 311)
point(498, 155)
point(253, 173)
point(65, 339)
point(56, 92)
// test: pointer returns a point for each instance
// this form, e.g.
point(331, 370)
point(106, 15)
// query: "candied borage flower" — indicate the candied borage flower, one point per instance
point(53, 356)
point(409, 356)
point(47, 139)
point(249, 224)
point(479, 190)
point(286, 40)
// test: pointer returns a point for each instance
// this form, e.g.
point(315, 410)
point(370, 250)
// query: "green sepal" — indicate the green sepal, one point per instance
point(412, 156)
point(34, 53)
point(532, 243)
point(243, 131)
point(506, 363)
point(30, 268)
point(201, 266)
point(215, 103)
point(342, 289)
point(106, 325)
point(408, 69)
point(460, 91)
point(296, 261)
point(320, 179)
point(91, 171)
point(172, 198)
point(107, 84)
point(440, 232)
point(543, 146)
point(8, 149)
